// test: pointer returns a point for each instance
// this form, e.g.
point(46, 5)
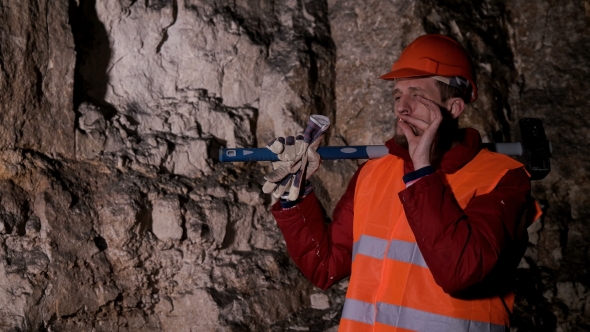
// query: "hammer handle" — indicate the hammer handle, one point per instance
point(342, 152)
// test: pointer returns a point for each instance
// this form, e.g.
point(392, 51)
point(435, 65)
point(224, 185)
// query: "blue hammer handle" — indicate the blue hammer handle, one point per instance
point(326, 152)
point(342, 152)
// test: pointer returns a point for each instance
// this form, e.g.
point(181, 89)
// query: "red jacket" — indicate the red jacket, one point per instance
point(491, 225)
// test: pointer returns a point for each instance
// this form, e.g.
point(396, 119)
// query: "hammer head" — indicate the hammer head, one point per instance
point(536, 149)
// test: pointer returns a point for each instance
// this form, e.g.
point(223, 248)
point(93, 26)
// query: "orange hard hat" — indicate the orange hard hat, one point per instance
point(434, 55)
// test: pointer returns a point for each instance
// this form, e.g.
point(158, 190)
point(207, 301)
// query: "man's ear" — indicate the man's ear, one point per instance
point(455, 106)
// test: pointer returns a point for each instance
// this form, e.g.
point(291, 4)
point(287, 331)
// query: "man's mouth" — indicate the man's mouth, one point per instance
point(415, 130)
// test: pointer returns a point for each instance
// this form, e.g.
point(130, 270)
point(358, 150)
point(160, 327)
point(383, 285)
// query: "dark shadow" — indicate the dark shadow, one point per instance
point(230, 231)
point(532, 311)
point(101, 243)
point(93, 55)
point(214, 144)
point(222, 298)
point(144, 220)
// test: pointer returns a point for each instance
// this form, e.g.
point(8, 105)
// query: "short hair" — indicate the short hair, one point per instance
point(447, 92)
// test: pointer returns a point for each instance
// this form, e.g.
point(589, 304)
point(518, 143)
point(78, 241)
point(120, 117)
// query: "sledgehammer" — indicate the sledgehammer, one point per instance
point(535, 149)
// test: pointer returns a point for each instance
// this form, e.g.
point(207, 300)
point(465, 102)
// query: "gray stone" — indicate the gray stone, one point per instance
point(197, 309)
point(166, 218)
point(319, 301)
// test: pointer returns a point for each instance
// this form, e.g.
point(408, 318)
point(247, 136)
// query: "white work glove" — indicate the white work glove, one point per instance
point(298, 159)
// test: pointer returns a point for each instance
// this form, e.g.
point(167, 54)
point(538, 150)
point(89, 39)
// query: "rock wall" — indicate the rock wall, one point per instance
point(36, 78)
point(115, 215)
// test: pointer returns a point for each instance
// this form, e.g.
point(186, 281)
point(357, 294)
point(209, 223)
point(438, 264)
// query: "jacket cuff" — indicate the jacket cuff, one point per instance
point(287, 204)
point(278, 210)
point(288, 215)
point(414, 176)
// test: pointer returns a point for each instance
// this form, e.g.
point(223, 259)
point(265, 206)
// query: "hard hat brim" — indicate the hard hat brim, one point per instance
point(404, 73)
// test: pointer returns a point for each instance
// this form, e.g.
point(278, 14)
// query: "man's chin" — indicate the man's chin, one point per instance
point(401, 140)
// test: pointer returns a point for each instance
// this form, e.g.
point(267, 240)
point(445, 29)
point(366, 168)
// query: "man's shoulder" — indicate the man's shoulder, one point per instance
point(482, 174)
point(487, 160)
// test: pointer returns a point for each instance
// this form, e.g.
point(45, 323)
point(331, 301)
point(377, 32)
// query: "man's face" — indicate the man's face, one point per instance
point(405, 102)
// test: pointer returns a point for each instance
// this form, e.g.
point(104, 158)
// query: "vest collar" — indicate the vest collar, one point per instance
point(453, 159)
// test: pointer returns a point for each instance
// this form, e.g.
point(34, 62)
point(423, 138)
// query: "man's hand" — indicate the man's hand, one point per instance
point(420, 142)
point(298, 159)
point(290, 152)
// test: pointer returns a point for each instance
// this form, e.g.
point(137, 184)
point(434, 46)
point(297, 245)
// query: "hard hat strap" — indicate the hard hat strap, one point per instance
point(456, 81)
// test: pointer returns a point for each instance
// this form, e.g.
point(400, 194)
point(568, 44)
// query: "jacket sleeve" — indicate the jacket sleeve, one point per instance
point(464, 247)
point(323, 252)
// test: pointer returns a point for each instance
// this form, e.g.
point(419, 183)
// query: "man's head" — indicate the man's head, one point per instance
point(406, 96)
point(437, 68)
point(440, 57)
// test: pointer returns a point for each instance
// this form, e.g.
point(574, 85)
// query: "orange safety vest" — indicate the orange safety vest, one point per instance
point(391, 287)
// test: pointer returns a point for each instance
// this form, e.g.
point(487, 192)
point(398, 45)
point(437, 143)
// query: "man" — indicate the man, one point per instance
point(432, 233)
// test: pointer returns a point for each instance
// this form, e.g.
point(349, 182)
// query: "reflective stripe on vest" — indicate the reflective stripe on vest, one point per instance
point(391, 286)
point(395, 249)
point(411, 319)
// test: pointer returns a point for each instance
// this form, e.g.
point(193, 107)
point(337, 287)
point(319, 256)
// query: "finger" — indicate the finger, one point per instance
point(419, 124)
point(269, 187)
point(296, 186)
point(406, 130)
point(314, 161)
point(300, 148)
point(283, 186)
point(277, 145)
point(427, 102)
point(437, 116)
point(300, 144)
point(290, 151)
point(434, 108)
point(277, 175)
point(296, 165)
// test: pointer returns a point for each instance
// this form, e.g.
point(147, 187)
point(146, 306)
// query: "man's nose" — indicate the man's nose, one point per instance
point(403, 105)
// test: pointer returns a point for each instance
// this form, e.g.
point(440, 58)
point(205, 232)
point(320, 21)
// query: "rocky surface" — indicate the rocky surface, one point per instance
point(115, 215)
point(37, 78)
